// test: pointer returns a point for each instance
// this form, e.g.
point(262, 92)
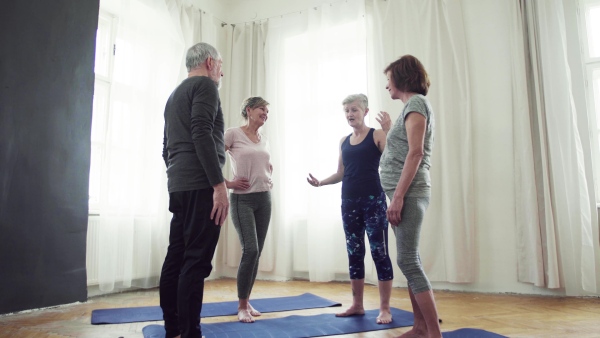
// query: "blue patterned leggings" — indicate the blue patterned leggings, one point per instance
point(367, 214)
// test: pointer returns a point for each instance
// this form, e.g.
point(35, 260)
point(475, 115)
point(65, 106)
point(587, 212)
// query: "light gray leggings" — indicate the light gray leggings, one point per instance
point(407, 242)
point(251, 214)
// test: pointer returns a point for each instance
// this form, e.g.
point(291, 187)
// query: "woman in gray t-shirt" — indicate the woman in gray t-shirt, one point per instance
point(405, 179)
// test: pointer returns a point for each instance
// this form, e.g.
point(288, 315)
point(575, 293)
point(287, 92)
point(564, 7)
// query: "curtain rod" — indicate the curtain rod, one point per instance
point(281, 15)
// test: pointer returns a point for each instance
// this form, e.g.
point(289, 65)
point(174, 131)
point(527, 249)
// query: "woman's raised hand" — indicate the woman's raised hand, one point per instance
point(384, 120)
point(313, 181)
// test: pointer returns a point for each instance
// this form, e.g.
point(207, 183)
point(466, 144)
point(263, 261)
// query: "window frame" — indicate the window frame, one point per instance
point(103, 81)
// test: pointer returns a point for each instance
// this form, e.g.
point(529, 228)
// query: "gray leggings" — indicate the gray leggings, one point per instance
point(407, 242)
point(251, 214)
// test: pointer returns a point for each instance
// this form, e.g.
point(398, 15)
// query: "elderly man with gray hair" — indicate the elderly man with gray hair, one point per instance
point(194, 153)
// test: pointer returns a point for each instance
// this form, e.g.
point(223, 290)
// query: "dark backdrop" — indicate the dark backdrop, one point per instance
point(46, 90)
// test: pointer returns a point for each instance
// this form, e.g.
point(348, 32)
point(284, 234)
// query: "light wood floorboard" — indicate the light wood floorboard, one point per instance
point(509, 315)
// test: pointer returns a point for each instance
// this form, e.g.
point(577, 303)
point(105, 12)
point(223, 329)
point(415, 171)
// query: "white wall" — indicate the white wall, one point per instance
point(487, 25)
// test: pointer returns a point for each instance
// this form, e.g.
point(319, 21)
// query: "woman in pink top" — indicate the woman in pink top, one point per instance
point(250, 199)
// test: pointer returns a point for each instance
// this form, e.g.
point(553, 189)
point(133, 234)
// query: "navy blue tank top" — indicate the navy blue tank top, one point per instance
point(361, 168)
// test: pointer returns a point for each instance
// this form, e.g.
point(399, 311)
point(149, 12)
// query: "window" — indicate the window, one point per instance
point(316, 95)
point(321, 67)
point(589, 21)
point(105, 50)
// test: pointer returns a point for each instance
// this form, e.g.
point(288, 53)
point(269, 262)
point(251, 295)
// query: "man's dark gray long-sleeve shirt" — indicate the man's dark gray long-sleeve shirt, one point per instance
point(193, 144)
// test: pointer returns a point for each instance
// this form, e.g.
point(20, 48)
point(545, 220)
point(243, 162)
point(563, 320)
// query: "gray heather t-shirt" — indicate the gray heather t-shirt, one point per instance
point(193, 144)
point(396, 149)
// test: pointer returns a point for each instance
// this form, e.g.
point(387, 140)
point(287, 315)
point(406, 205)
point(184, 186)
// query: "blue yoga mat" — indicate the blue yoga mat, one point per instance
point(296, 326)
point(152, 313)
point(471, 333)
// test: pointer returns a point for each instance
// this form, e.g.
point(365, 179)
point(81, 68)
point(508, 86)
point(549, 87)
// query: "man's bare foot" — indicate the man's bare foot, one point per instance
point(385, 317)
point(352, 311)
point(413, 333)
point(254, 312)
point(244, 316)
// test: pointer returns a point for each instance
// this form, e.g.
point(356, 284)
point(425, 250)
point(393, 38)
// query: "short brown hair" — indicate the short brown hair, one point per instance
point(409, 75)
point(253, 102)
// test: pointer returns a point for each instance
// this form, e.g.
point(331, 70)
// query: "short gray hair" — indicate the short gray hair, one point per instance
point(253, 102)
point(361, 98)
point(198, 53)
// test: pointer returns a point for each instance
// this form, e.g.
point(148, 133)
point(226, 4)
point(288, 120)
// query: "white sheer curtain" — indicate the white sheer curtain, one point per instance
point(195, 25)
point(305, 64)
point(313, 59)
point(130, 235)
point(131, 223)
point(244, 77)
point(433, 32)
point(557, 219)
point(531, 265)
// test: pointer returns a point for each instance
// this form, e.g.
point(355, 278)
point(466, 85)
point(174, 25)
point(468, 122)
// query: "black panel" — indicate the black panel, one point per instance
point(46, 90)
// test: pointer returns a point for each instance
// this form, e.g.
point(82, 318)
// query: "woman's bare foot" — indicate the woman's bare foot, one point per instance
point(352, 311)
point(413, 333)
point(254, 312)
point(385, 317)
point(244, 316)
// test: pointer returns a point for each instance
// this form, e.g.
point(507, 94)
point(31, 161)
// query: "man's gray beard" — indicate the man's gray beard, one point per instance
point(219, 83)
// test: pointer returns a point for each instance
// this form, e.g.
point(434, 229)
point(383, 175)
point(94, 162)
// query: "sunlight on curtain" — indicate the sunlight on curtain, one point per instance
point(592, 17)
point(596, 91)
point(433, 31)
point(195, 25)
point(316, 58)
point(131, 229)
point(244, 77)
point(313, 95)
point(589, 27)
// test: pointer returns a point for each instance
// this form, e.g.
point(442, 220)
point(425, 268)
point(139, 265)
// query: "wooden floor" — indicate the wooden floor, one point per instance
point(509, 315)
